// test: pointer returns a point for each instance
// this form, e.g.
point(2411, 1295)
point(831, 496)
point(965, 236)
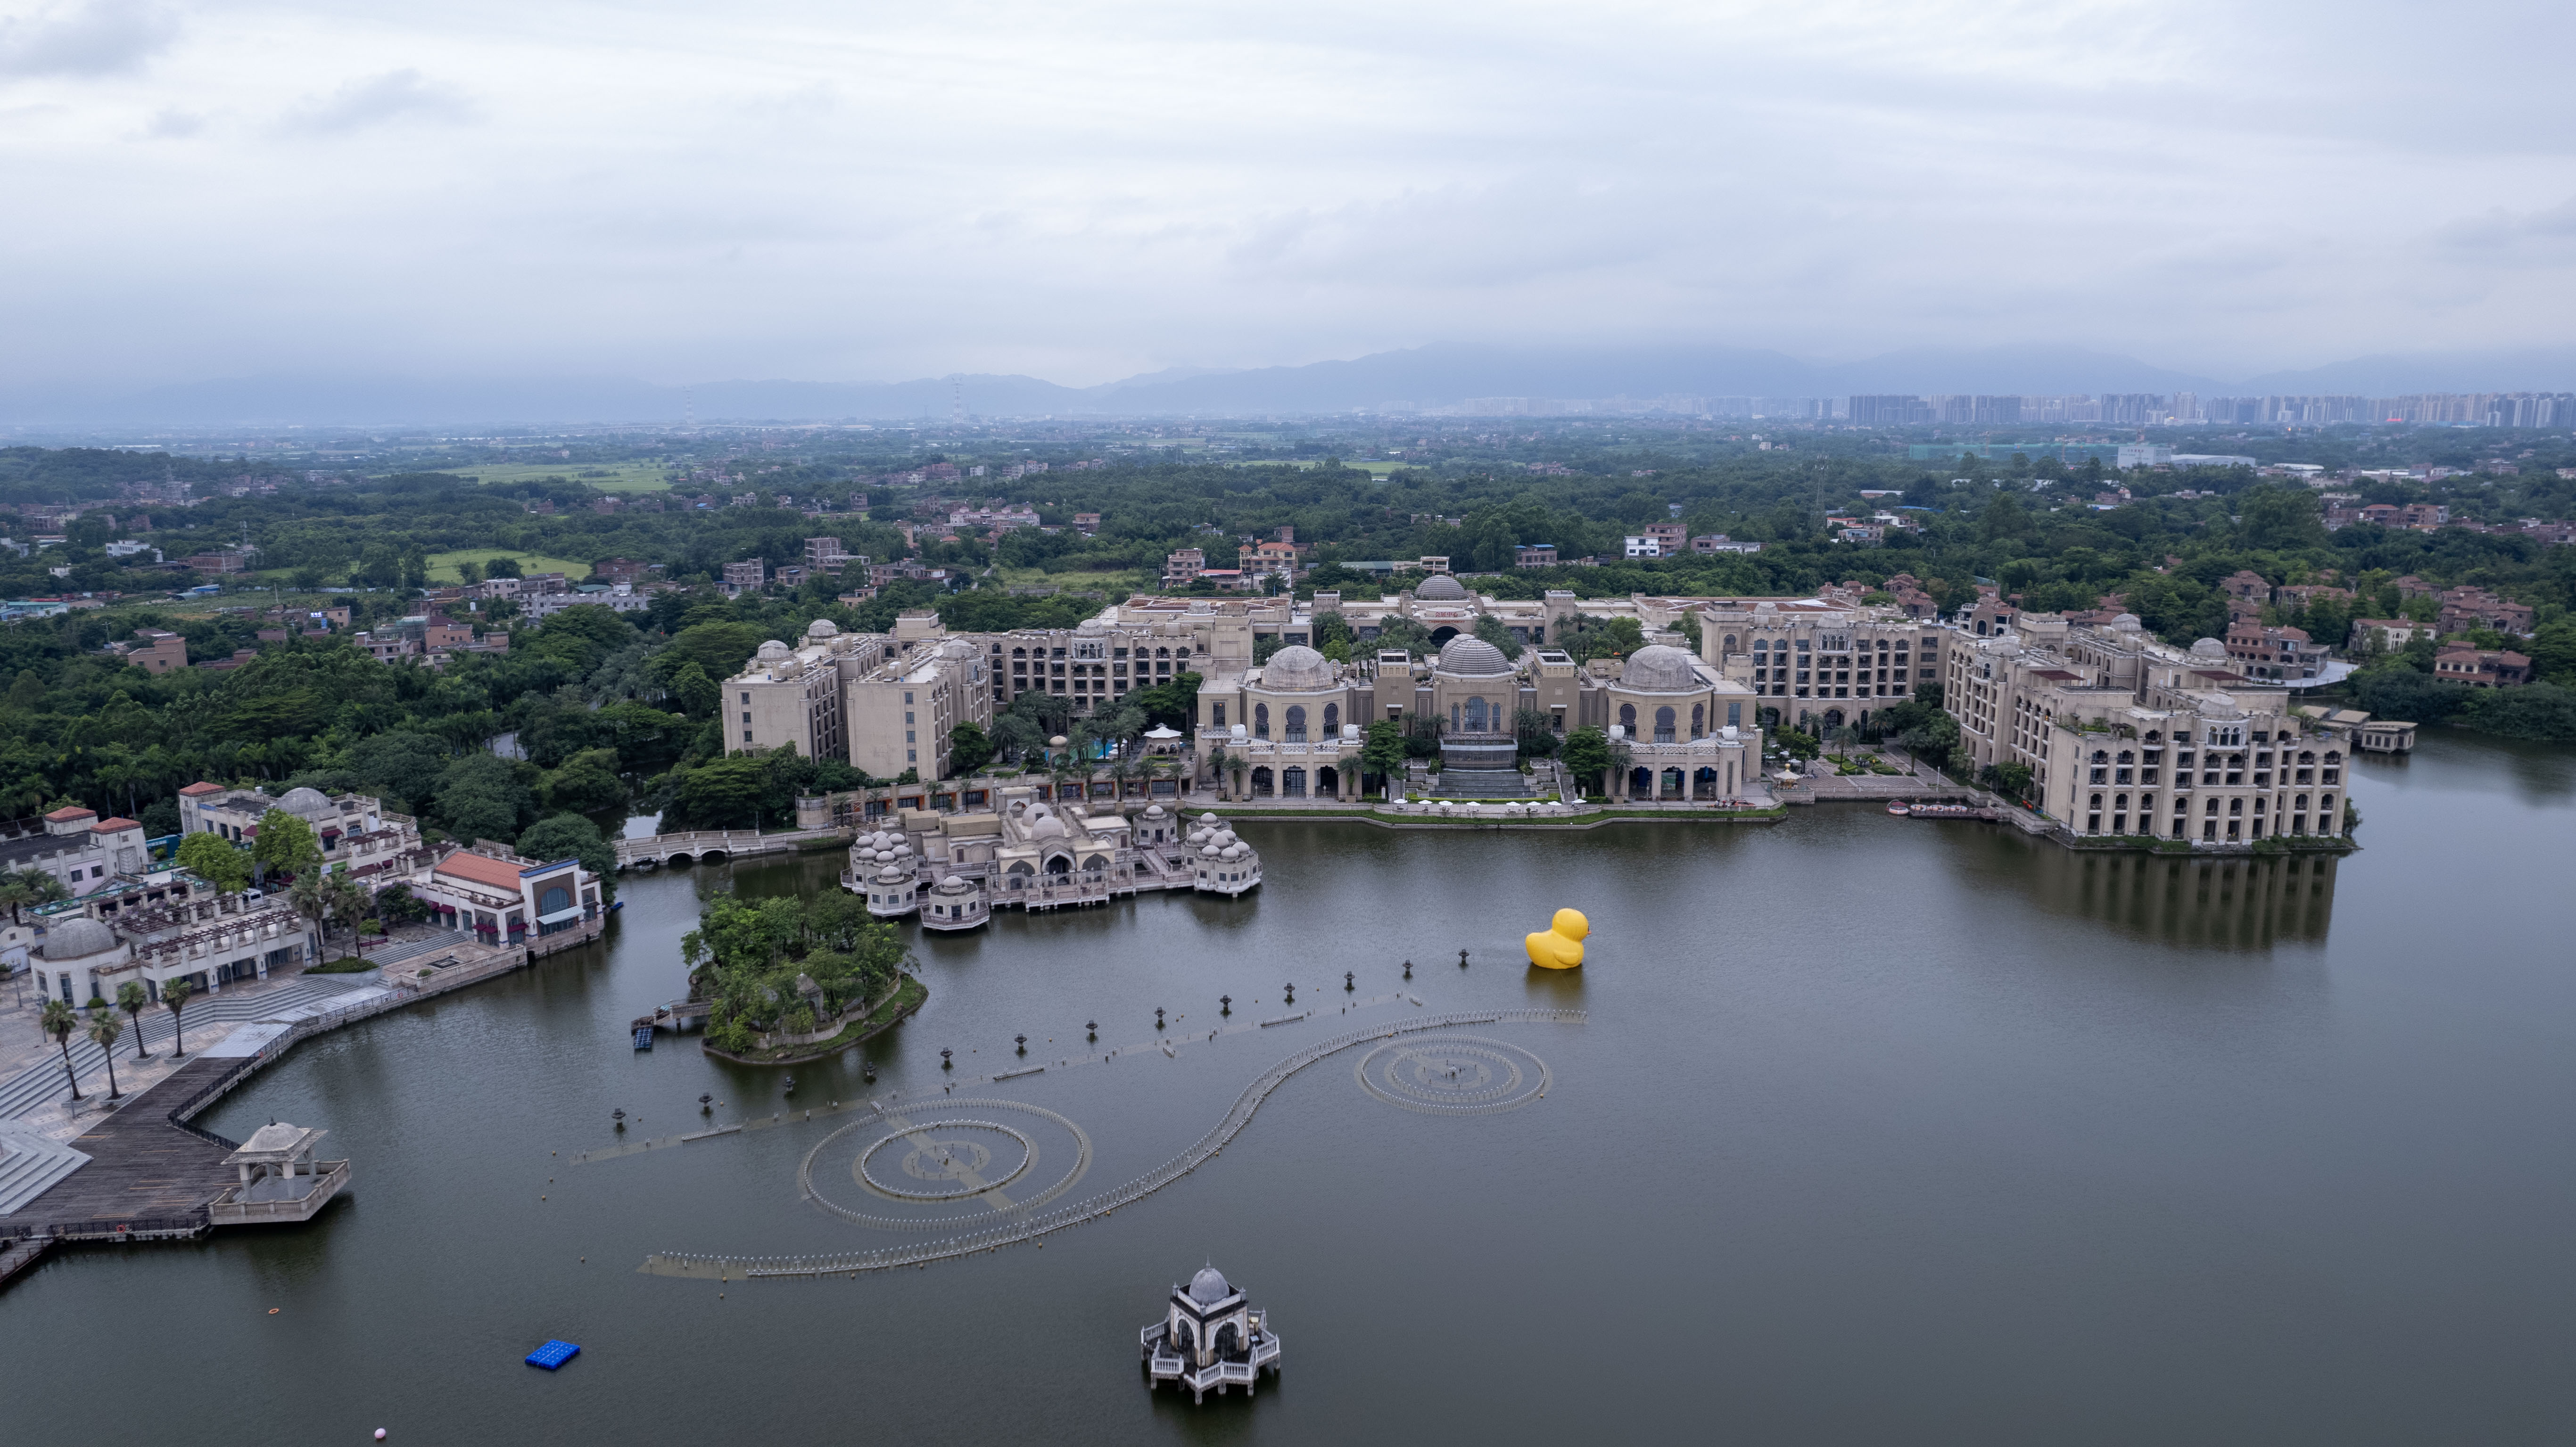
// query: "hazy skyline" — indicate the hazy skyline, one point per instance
point(878, 193)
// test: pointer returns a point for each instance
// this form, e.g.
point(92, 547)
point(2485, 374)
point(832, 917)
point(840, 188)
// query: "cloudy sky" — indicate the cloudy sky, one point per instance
point(859, 191)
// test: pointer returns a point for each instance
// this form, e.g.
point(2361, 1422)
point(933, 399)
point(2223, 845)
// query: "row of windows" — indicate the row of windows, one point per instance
point(1026, 653)
point(2235, 817)
point(1884, 690)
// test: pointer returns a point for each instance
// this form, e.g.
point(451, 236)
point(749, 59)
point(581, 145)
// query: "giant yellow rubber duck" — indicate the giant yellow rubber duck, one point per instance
point(1560, 945)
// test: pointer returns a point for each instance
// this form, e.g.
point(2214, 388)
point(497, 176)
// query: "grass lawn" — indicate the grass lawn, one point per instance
point(1117, 583)
point(606, 476)
point(442, 566)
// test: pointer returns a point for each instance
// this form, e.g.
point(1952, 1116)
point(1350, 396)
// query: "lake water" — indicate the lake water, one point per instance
point(1878, 1131)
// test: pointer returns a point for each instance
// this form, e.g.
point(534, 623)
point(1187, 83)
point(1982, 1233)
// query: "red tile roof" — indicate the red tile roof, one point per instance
point(69, 812)
point(193, 790)
point(110, 826)
point(481, 869)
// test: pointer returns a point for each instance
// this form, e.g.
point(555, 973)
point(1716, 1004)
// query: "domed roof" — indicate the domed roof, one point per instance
point(1209, 1287)
point(307, 803)
point(774, 651)
point(822, 628)
point(2220, 705)
point(1441, 588)
point(1296, 667)
point(1469, 657)
point(1659, 668)
point(2127, 623)
point(1153, 811)
point(78, 938)
point(1045, 823)
point(2209, 648)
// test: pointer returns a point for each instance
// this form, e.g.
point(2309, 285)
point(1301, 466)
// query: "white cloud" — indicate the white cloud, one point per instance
point(103, 37)
point(395, 95)
point(801, 188)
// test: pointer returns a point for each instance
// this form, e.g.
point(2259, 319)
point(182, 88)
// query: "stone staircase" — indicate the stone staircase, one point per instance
point(1481, 784)
point(41, 1082)
point(434, 943)
point(30, 1165)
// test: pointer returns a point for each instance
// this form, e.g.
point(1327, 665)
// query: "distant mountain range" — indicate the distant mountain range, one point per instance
point(1423, 377)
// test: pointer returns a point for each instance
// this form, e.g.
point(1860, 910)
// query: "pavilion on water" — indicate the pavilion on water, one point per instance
point(1208, 1337)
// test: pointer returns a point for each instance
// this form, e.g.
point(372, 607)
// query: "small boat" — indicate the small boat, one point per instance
point(1899, 808)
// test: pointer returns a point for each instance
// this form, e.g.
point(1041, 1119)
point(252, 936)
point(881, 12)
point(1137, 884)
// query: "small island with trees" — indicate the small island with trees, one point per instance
point(795, 979)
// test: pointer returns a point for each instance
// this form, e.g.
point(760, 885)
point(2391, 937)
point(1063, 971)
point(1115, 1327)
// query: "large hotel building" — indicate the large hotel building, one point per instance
point(2123, 735)
point(2127, 735)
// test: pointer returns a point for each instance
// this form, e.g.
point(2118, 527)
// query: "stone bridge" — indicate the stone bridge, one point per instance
point(703, 844)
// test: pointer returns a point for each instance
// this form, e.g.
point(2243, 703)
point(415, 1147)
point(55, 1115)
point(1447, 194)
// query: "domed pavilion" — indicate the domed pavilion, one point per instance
point(1210, 1336)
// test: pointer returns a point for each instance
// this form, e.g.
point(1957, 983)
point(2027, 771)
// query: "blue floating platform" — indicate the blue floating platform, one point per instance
point(553, 1354)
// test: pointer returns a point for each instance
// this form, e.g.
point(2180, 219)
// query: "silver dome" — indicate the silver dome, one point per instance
point(1659, 668)
point(774, 651)
point(1297, 667)
point(1441, 588)
point(1209, 1287)
point(2209, 648)
point(307, 803)
point(1468, 657)
point(822, 628)
point(78, 938)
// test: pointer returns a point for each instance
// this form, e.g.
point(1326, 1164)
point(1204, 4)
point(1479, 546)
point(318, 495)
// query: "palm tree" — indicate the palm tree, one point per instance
point(132, 998)
point(21, 888)
point(350, 902)
point(311, 898)
point(58, 1021)
point(103, 1030)
point(175, 993)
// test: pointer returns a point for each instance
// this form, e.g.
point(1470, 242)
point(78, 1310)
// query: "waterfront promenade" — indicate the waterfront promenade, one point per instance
point(141, 1171)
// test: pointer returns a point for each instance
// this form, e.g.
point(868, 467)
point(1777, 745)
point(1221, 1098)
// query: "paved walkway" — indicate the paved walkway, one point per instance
point(32, 1085)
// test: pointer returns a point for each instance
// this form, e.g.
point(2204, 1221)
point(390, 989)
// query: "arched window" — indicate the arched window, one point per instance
point(2127, 757)
point(1628, 717)
point(1332, 720)
point(1475, 715)
point(1216, 718)
point(2155, 736)
point(1261, 782)
point(1296, 721)
point(2100, 757)
point(1699, 721)
point(1663, 725)
point(1261, 720)
point(1162, 653)
point(1761, 645)
point(1019, 653)
point(1730, 643)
